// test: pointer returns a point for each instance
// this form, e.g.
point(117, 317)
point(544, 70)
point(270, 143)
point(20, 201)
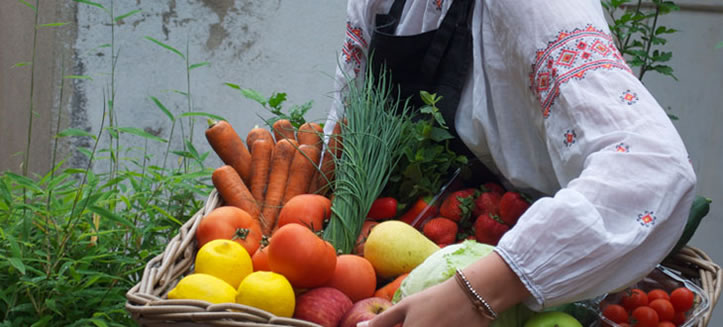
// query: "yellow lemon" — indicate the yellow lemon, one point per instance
point(203, 287)
point(224, 259)
point(268, 291)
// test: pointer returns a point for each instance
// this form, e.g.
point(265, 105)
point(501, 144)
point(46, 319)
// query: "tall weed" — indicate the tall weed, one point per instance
point(75, 239)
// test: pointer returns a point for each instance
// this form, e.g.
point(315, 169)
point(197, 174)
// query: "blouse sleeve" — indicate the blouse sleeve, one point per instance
point(352, 55)
point(626, 181)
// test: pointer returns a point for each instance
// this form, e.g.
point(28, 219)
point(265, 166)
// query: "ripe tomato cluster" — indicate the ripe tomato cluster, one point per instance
point(655, 308)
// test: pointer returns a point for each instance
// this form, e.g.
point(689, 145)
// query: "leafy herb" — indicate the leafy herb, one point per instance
point(274, 104)
point(638, 34)
point(427, 160)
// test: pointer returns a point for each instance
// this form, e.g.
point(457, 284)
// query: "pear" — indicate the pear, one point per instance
point(394, 247)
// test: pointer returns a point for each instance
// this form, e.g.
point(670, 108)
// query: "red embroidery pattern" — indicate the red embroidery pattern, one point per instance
point(646, 219)
point(571, 55)
point(353, 46)
point(570, 137)
point(438, 4)
point(622, 147)
point(629, 97)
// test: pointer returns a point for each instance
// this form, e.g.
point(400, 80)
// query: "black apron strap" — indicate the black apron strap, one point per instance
point(387, 23)
point(458, 17)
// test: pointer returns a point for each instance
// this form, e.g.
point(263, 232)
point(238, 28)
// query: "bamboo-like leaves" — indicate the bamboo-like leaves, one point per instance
point(166, 46)
point(139, 132)
point(126, 15)
point(163, 108)
point(28, 5)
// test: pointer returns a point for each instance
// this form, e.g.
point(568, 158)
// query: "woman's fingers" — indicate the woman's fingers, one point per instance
point(390, 317)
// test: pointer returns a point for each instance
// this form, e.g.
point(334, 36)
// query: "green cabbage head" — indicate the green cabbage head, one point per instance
point(442, 264)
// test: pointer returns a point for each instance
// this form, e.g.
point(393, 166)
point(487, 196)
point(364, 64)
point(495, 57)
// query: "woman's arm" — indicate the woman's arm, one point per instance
point(627, 184)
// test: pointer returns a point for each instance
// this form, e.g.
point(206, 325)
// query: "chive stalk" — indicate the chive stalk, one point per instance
point(373, 140)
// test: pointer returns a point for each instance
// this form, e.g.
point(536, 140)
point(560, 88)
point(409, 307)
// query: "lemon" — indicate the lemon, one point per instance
point(224, 259)
point(268, 291)
point(203, 287)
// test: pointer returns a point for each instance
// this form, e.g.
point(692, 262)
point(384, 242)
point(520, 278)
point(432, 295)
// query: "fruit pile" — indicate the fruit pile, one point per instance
point(483, 214)
point(263, 248)
point(654, 308)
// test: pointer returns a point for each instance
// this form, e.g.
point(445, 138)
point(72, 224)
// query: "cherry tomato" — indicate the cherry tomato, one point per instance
point(636, 298)
point(679, 318)
point(682, 299)
point(616, 313)
point(666, 324)
point(645, 316)
point(383, 208)
point(664, 308)
point(658, 294)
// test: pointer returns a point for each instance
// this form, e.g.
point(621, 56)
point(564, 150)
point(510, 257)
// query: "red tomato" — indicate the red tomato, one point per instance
point(666, 324)
point(230, 223)
point(664, 308)
point(310, 210)
point(682, 299)
point(658, 294)
point(305, 259)
point(645, 317)
point(679, 318)
point(383, 208)
point(616, 313)
point(636, 298)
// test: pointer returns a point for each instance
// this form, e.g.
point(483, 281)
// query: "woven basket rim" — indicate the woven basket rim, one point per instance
point(147, 304)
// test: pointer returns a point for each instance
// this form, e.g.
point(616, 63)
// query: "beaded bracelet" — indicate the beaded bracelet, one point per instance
point(484, 308)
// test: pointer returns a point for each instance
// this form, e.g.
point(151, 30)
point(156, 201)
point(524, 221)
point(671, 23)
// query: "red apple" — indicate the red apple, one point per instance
point(364, 310)
point(324, 306)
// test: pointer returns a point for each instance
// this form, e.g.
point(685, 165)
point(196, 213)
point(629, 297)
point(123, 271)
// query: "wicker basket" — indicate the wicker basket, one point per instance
point(148, 305)
point(697, 266)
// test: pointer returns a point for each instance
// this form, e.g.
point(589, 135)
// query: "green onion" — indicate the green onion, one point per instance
point(372, 142)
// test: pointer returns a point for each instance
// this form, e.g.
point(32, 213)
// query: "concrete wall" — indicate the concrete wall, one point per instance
point(269, 46)
point(273, 45)
point(16, 46)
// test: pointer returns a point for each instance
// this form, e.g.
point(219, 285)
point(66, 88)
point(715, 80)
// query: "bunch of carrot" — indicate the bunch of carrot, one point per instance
point(271, 167)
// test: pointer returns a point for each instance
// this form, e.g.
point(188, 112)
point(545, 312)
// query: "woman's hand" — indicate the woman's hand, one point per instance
point(447, 303)
point(444, 304)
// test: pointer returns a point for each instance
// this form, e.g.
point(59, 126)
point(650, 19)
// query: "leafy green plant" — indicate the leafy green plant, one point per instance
point(274, 104)
point(427, 161)
point(74, 240)
point(68, 257)
point(638, 34)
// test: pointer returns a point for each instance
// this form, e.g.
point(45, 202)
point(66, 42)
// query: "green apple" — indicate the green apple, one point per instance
point(552, 319)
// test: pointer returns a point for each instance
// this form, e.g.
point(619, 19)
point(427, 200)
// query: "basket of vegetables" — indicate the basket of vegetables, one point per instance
point(286, 239)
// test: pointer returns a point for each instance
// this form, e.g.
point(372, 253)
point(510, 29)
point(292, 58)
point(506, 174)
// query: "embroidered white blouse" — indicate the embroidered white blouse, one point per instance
point(552, 106)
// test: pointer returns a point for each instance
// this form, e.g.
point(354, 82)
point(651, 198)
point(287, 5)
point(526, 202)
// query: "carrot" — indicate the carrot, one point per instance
point(260, 166)
point(229, 147)
point(310, 133)
point(233, 190)
point(322, 177)
point(283, 130)
point(257, 133)
point(280, 163)
point(301, 171)
point(387, 291)
point(335, 141)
